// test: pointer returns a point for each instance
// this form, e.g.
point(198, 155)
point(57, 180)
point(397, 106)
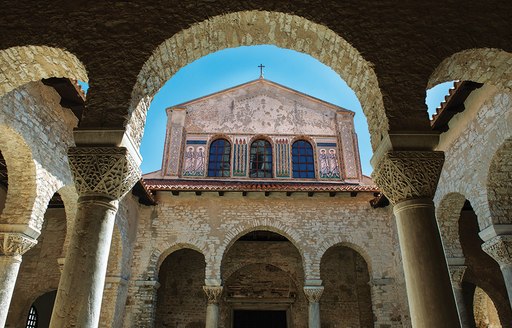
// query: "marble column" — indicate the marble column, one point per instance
point(12, 246)
point(456, 275)
point(499, 248)
point(313, 294)
point(409, 178)
point(103, 175)
point(213, 294)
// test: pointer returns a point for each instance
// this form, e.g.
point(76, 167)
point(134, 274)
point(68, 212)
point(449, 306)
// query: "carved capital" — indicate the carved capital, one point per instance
point(456, 274)
point(313, 293)
point(405, 175)
point(107, 171)
point(500, 249)
point(213, 293)
point(15, 243)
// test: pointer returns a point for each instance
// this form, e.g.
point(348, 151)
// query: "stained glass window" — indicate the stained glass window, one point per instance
point(32, 318)
point(261, 159)
point(303, 160)
point(219, 160)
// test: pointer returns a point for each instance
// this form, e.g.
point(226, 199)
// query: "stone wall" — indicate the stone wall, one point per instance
point(211, 224)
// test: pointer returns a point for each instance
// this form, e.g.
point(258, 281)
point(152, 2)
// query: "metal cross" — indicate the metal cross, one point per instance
point(261, 70)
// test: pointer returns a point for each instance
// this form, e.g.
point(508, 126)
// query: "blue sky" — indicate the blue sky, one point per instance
point(230, 67)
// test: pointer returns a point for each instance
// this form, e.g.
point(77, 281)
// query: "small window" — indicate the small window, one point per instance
point(219, 160)
point(303, 160)
point(261, 159)
point(32, 318)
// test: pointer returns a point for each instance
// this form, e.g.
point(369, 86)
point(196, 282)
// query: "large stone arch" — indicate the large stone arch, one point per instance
point(483, 65)
point(160, 254)
point(24, 64)
point(247, 28)
point(448, 215)
point(499, 193)
point(267, 225)
point(22, 203)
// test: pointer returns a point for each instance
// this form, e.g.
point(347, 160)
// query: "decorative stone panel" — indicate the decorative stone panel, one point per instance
point(405, 175)
point(12, 244)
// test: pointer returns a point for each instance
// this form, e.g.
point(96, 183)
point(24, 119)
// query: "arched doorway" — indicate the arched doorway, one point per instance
point(346, 300)
point(181, 301)
point(263, 279)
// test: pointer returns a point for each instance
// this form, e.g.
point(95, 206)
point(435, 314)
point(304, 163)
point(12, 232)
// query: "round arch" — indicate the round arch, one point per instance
point(21, 65)
point(448, 215)
point(247, 28)
point(158, 256)
point(343, 242)
point(483, 65)
point(233, 235)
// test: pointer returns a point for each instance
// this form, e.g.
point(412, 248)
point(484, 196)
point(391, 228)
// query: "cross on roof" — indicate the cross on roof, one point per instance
point(261, 70)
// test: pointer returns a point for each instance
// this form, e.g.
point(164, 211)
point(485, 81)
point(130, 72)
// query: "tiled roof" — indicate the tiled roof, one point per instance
point(220, 185)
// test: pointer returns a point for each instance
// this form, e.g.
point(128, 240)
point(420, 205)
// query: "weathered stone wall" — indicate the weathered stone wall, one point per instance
point(470, 145)
point(211, 224)
point(36, 133)
point(181, 299)
point(346, 300)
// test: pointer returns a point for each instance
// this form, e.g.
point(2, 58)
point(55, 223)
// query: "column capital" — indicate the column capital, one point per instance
point(457, 274)
point(213, 293)
point(406, 175)
point(500, 249)
point(313, 293)
point(103, 171)
point(15, 243)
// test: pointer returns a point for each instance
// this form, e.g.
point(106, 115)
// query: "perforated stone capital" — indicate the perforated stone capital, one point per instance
point(213, 293)
point(107, 171)
point(313, 293)
point(457, 274)
point(15, 243)
point(405, 175)
point(500, 249)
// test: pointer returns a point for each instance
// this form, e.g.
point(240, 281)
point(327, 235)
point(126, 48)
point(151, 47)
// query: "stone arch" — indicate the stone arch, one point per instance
point(22, 203)
point(344, 242)
point(69, 198)
point(233, 235)
point(247, 28)
point(498, 184)
point(448, 215)
point(24, 64)
point(158, 256)
point(483, 65)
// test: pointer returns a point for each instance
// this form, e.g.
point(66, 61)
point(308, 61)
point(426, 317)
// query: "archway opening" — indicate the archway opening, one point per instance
point(346, 300)
point(40, 311)
point(39, 271)
point(263, 278)
point(486, 315)
point(181, 301)
point(228, 68)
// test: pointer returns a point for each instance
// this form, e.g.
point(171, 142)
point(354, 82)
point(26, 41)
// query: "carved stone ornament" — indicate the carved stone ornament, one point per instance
point(500, 249)
point(109, 171)
point(213, 293)
point(14, 243)
point(405, 175)
point(457, 273)
point(313, 293)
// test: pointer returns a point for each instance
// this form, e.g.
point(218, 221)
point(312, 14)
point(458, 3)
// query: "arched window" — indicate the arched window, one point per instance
point(261, 159)
point(303, 160)
point(219, 160)
point(32, 318)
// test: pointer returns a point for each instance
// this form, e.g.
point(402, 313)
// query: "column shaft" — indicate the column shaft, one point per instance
point(314, 315)
point(9, 267)
point(212, 315)
point(461, 307)
point(427, 281)
point(506, 270)
point(78, 301)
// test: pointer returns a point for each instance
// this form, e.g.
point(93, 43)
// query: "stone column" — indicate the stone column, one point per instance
point(409, 180)
point(12, 246)
point(103, 175)
point(456, 274)
point(499, 248)
point(313, 294)
point(212, 310)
